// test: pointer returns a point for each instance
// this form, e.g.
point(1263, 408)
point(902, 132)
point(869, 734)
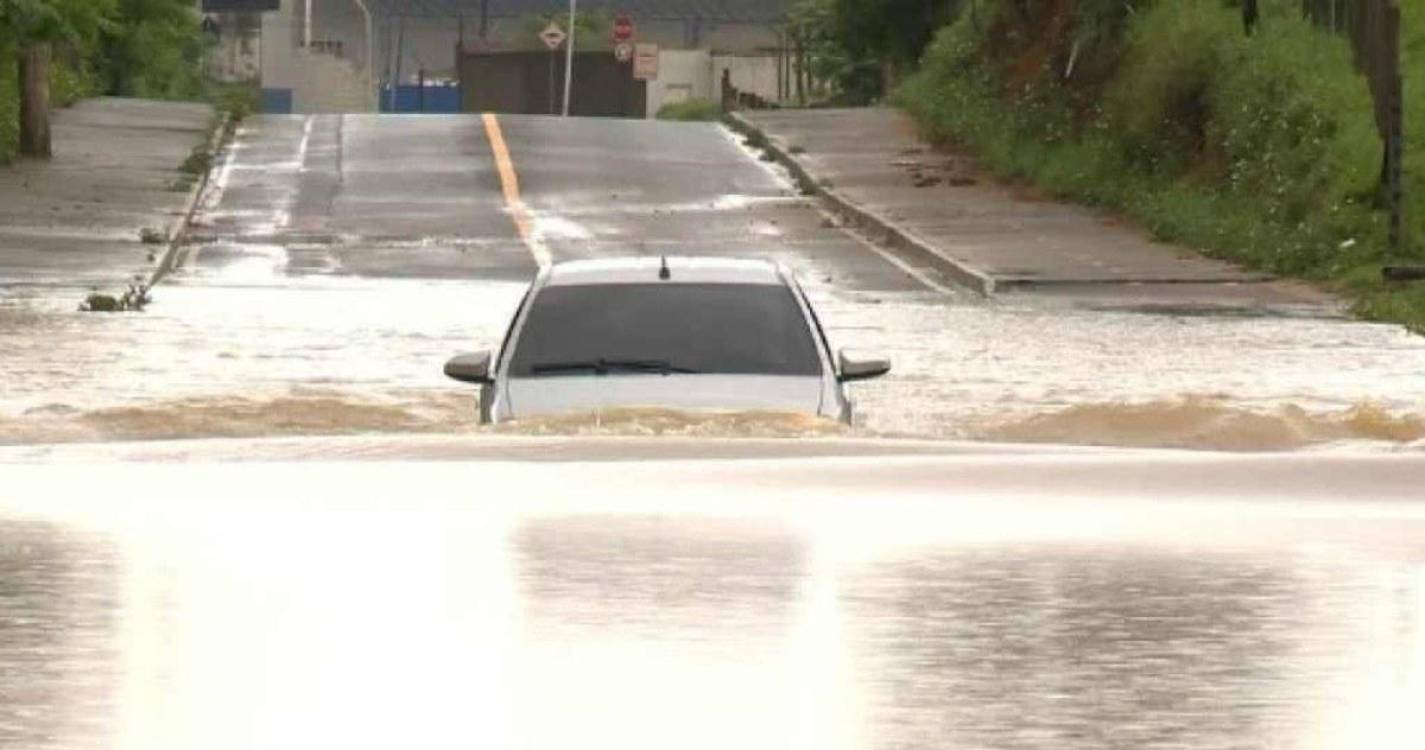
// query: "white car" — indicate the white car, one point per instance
point(685, 333)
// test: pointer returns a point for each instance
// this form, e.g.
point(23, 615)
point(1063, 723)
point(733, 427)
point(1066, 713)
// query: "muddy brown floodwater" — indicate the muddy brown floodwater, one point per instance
point(244, 355)
point(339, 261)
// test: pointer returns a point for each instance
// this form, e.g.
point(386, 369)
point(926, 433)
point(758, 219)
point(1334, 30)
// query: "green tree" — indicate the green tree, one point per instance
point(864, 46)
point(29, 33)
point(153, 49)
point(60, 50)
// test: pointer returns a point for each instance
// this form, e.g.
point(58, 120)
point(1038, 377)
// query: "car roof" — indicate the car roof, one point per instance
point(681, 270)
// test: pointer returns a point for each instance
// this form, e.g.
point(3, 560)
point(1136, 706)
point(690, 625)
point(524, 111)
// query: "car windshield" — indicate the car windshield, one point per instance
point(731, 329)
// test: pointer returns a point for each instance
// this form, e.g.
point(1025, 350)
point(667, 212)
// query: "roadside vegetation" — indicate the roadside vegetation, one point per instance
point(691, 110)
point(1258, 149)
point(856, 49)
point(141, 48)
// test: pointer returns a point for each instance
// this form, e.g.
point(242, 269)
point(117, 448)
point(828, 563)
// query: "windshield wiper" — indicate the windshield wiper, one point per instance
point(602, 366)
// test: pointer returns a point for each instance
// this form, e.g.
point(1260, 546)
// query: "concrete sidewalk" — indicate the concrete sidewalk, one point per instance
point(77, 220)
point(872, 167)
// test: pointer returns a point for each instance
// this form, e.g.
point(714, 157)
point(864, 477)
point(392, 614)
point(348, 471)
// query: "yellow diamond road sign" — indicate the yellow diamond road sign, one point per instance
point(553, 36)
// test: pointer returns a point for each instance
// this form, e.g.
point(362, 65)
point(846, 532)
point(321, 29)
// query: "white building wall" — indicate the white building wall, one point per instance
point(333, 80)
point(682, 75)
point(279, 46)
point(755, 74)
point(697, 74)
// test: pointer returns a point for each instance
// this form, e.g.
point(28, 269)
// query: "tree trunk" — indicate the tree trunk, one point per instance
point(34, 101)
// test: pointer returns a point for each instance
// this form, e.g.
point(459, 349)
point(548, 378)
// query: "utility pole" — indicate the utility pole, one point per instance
point(569, 57)
point(400, 55)
point(375, 96)
point(307, 24)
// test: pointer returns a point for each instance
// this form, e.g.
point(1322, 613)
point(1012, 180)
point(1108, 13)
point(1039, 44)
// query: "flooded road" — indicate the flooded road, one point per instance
point(775, 603)
point(339, 261)
point(674, 580)
point(331, 355)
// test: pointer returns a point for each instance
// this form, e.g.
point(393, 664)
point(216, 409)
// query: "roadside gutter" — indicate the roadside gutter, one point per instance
point(178, 232)
point(893, 235)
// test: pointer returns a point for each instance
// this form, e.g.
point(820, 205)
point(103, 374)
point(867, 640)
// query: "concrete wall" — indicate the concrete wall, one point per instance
point(682, 75)
point(279, 47)
point(697, 74)
point(754, 74)
point(339, 28)
point(329, 81)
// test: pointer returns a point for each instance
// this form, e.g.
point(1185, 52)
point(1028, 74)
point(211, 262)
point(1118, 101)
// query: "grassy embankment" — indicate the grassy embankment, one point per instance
point(1261, 150)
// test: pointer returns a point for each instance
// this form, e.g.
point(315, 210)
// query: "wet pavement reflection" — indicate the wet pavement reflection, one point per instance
point(431, 623)
point(60, 651)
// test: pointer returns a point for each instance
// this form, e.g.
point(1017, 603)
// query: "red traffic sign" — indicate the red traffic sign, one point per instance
point(622, 29)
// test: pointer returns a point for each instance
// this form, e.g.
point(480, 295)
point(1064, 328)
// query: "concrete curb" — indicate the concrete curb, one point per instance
point(892, 234)
point(178, 231)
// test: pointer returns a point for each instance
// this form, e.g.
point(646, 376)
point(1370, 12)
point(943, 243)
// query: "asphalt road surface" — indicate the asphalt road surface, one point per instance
point(426, 197)
point(694, 592)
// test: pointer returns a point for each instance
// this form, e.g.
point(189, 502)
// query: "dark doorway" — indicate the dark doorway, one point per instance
point(532, 83)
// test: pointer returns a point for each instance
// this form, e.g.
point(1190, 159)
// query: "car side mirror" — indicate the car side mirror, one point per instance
point(858, 366)
point(470, 368)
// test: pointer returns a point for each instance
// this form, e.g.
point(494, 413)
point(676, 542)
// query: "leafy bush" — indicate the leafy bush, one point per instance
point(9, 102)
point(154, 49)
point(859, 45)
point(691, 109)
point(1412, 23)
point(71, 77)
point(1259, 149)
point(238, 100)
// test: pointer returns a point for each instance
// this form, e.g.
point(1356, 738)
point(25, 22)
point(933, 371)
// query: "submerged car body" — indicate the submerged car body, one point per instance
point(683, 333)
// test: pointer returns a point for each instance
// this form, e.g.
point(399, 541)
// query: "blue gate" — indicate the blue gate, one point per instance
point(426, 99)
point(276, 101)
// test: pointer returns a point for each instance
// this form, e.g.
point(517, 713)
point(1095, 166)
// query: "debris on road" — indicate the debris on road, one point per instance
point(134, 299)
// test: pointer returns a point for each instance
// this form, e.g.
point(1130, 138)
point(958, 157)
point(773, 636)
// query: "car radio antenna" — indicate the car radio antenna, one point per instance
point(663, 272)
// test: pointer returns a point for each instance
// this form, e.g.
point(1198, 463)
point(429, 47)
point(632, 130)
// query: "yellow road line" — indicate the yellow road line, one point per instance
point(510, 184)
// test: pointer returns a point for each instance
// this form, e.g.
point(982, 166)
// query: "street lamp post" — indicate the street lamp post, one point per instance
point(569, 57)
point(373, 97)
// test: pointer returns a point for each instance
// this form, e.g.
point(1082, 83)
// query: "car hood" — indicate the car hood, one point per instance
point(563, 394)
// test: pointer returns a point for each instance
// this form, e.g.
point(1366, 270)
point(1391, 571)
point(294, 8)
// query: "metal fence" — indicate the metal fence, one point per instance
point(1373, 26)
